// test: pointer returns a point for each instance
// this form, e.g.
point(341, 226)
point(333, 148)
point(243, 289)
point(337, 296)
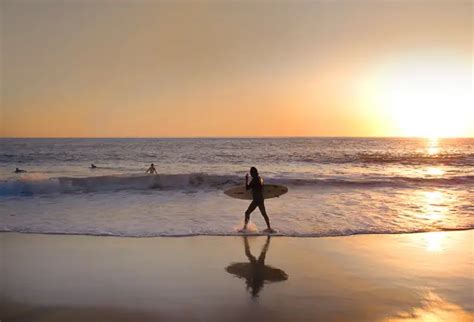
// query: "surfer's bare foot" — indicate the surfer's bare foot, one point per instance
point(270, 230)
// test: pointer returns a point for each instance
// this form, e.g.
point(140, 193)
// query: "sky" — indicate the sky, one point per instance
point(114, 68)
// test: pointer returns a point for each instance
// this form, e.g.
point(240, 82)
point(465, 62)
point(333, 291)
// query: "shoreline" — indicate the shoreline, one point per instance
point(237, 234)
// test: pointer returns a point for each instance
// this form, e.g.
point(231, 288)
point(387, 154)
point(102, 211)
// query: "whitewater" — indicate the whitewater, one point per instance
point(337, 186)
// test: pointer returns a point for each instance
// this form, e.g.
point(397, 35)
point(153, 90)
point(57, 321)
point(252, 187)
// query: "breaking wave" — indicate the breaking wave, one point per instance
point(201, 181)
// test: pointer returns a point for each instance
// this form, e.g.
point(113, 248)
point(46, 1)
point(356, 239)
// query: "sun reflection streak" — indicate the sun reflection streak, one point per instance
point(433, 197)
point(433, 171)
point(435, 205)
point(434, 308)
point(433, 146)
point(434, 241)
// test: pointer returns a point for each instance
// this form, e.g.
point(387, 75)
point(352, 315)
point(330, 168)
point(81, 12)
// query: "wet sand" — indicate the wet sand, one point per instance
point(408, 277)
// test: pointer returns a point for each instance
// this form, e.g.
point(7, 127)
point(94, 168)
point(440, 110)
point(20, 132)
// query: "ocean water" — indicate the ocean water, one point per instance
point(337, 186)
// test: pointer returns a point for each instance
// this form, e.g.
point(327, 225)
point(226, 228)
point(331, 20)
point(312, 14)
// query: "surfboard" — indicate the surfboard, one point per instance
point(269, 191)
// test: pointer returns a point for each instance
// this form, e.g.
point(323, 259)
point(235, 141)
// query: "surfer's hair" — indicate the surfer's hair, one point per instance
point(253, 172)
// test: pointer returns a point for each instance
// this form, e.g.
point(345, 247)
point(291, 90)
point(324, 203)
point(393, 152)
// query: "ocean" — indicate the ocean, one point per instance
point(337, 186)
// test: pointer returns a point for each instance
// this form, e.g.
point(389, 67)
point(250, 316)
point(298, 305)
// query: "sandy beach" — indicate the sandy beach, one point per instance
point(407, 277)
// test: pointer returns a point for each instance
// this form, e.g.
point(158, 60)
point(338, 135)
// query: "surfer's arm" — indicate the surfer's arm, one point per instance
point(248, 185)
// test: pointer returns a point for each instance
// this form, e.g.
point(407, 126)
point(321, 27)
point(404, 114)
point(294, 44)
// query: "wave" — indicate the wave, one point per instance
point(446, 159)
point(114, 182)
point(341, 233)
point(393, 181)
point(202, 181)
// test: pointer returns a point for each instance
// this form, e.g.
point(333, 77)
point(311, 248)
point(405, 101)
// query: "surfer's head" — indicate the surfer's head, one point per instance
point(253, 172)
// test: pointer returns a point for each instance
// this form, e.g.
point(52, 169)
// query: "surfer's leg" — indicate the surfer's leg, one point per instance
point(251, 208)
point(261, 206)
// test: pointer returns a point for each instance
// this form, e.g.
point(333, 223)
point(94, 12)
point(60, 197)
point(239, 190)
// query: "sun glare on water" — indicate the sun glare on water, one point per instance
point(434, 241)
point(426, 96)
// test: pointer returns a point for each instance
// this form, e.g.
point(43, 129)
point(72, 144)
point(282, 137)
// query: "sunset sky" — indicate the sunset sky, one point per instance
point(244, 68)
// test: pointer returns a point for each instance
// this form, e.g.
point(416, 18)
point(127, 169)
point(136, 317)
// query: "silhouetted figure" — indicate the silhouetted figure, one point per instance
point(256, 273)
point(151, 170)
point(17, 170)
point(93, 166)
point(256, 184)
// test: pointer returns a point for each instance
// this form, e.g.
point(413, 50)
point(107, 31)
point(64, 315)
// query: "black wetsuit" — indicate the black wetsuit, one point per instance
point(257, 199)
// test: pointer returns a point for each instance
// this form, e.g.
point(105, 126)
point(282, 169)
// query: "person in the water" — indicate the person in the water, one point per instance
point(17, 170)
point(151, 170)
point(93, 166)
point(256, 185)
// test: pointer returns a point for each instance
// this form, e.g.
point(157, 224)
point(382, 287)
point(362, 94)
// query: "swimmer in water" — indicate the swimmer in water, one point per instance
point(17, 170)
point(151, 170)
point(93, 166)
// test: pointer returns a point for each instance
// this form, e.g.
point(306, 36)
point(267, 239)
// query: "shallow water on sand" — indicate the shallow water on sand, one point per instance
point(406, 277)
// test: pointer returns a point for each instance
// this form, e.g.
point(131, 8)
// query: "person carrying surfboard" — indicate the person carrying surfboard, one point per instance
point(256, 185)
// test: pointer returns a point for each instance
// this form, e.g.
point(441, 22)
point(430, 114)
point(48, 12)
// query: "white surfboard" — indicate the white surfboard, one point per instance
point(269, 191)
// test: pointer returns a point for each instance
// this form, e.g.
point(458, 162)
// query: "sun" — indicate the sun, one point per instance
point(427, 96)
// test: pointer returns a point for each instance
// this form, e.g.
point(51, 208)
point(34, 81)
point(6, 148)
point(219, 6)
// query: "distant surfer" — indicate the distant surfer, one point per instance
point(256, 185)
point(17, 170)
point(151, 170)
point(93, 166)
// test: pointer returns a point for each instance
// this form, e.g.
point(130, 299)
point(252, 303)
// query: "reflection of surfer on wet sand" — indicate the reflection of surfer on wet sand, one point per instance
point(256, 273)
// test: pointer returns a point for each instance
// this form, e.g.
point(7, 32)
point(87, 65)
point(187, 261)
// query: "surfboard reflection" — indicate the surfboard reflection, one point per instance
point(256, 273)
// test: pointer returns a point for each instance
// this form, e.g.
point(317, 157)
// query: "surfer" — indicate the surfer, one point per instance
point(256, 185)
point(17, 170)
point(151, 170)
point(93, 166)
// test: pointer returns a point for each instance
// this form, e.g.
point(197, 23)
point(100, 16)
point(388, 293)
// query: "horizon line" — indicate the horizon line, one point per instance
point(235, 137)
